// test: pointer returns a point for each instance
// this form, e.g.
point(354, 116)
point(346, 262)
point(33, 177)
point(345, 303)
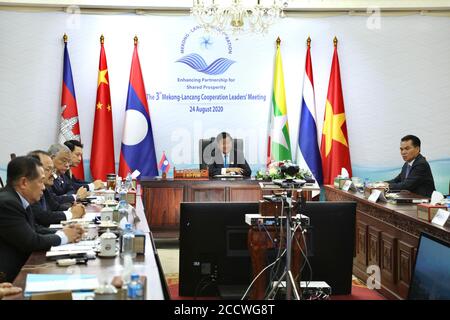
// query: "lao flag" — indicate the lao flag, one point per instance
point(309, 155)
point(70, 127)
point(138, 149)
point(164, 164)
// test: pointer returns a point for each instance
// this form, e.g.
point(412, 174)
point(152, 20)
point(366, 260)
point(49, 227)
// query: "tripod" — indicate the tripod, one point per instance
point(291, 227)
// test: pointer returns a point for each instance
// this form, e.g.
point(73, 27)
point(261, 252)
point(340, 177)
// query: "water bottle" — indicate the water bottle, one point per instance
point(123, 207)
point(128, 182)
point(448, 203)
point(135, 288)
point(128, 242)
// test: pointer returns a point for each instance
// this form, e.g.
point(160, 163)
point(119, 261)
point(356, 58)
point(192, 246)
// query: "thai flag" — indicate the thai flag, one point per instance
point(164, 164)
point(138, 148)
point(309, 155)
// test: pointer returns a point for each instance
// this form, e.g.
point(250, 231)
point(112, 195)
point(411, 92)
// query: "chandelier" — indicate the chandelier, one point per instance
point(238, 16)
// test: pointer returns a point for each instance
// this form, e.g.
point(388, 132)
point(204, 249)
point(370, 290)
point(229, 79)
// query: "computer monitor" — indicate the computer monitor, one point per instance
point(331, 243)
point(431, 274)
point(213, 244)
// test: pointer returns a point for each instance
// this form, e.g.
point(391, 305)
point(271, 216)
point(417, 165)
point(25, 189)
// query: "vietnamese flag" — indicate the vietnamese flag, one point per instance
point(334, 149)
point(102, 152)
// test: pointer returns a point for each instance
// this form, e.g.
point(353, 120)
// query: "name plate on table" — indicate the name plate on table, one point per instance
point(441, 217)
point(377, 195)
point(426, 211)
point(189, 174)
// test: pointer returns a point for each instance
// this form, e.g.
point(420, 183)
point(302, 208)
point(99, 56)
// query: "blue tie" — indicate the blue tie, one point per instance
point(225, 162)
point(408, 170)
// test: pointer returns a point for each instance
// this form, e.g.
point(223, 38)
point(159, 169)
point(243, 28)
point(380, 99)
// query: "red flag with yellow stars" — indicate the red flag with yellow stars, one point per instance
point(334, 149)
point(102, 152)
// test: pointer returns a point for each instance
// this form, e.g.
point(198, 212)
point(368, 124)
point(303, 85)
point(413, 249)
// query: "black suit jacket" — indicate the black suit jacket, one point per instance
point(18, 234)
point(420, 179)
point(44, 215)
point(236, 160)
point(76, 184)
point(62, 189)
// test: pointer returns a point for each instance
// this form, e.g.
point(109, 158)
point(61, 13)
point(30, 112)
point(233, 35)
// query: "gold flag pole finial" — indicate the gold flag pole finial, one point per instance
point(308, 42)
point(335, 42)
point(135, 40)
point(65, 37)
point(102, 39)
point(278, 41)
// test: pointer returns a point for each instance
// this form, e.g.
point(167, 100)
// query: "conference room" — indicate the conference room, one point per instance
point(224, 150)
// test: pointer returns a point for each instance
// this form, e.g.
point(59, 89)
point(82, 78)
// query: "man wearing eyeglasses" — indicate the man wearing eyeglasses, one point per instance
point(48, 211)
point(62, 188)
point(76, 150)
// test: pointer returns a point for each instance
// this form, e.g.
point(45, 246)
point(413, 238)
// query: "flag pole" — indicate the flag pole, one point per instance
point(308, 42)
point(65, 38)
point(102, 39)
point(135, 40)
point(278, 42)
point(335, 41)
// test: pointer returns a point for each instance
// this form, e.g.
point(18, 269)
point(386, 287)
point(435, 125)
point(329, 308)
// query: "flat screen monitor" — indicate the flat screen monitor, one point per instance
point(213, 244)
point(331, 243)
point(431, 274)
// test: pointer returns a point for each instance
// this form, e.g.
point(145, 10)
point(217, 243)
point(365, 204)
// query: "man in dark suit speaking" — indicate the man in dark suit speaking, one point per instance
point(416, 173)
point(226, 159)
point(19, 236)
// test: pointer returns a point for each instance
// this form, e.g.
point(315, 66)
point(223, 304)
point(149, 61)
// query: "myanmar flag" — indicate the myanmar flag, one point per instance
point(279, 144)
point(334, 148)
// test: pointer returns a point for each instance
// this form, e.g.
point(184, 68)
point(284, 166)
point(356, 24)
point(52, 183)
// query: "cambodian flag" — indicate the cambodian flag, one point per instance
point(70, 126)
point(309, 156)
point(138, 149)
point(164, 164)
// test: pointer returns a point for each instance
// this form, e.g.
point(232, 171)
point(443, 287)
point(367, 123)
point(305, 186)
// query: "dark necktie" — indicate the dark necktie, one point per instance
point(43, 203)
point(408, 170)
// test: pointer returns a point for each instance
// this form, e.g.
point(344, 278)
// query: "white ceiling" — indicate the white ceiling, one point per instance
point(184, 5)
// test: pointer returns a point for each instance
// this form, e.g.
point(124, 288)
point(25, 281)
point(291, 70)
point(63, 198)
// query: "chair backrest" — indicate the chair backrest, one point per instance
point(12, 155)
point(1, 183)
point(206, 150)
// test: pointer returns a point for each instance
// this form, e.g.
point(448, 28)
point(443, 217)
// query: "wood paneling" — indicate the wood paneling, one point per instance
point(391, 239)
point(245, 194)
point(162, 206)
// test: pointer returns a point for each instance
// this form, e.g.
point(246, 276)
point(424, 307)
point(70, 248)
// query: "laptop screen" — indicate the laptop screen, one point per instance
point(431, 276)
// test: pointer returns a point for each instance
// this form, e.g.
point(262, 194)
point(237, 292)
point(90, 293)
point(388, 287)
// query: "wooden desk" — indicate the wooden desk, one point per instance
point(258, 243)
point(104, 268)
point(162, 198)
point(387, 236)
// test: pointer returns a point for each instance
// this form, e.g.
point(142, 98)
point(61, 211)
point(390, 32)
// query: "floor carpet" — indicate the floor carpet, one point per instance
point(169, 255)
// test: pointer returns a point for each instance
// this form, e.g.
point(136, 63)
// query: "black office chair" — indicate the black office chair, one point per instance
point(207, 147)
point(12, 155)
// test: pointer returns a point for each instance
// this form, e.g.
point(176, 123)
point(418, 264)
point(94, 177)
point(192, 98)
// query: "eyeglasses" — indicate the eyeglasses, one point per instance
point(52, 170)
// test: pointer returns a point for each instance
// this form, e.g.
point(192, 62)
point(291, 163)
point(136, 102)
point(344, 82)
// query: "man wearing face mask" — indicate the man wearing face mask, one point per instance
point(416, 173)
point(228, 160)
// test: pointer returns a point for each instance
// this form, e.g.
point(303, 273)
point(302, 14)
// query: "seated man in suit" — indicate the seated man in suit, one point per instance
point(227, 160)
point(47, 210)
point(18, 234)
point(416, 173)
point(76, 151)
point(62, 188)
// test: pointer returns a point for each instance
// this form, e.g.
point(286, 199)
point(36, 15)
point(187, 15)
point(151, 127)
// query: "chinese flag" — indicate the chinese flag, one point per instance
point(102, 152)
point(334, 149)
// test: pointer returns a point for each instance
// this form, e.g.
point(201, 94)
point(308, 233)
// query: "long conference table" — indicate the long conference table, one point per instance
point(387, 236)
point(105, 268)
